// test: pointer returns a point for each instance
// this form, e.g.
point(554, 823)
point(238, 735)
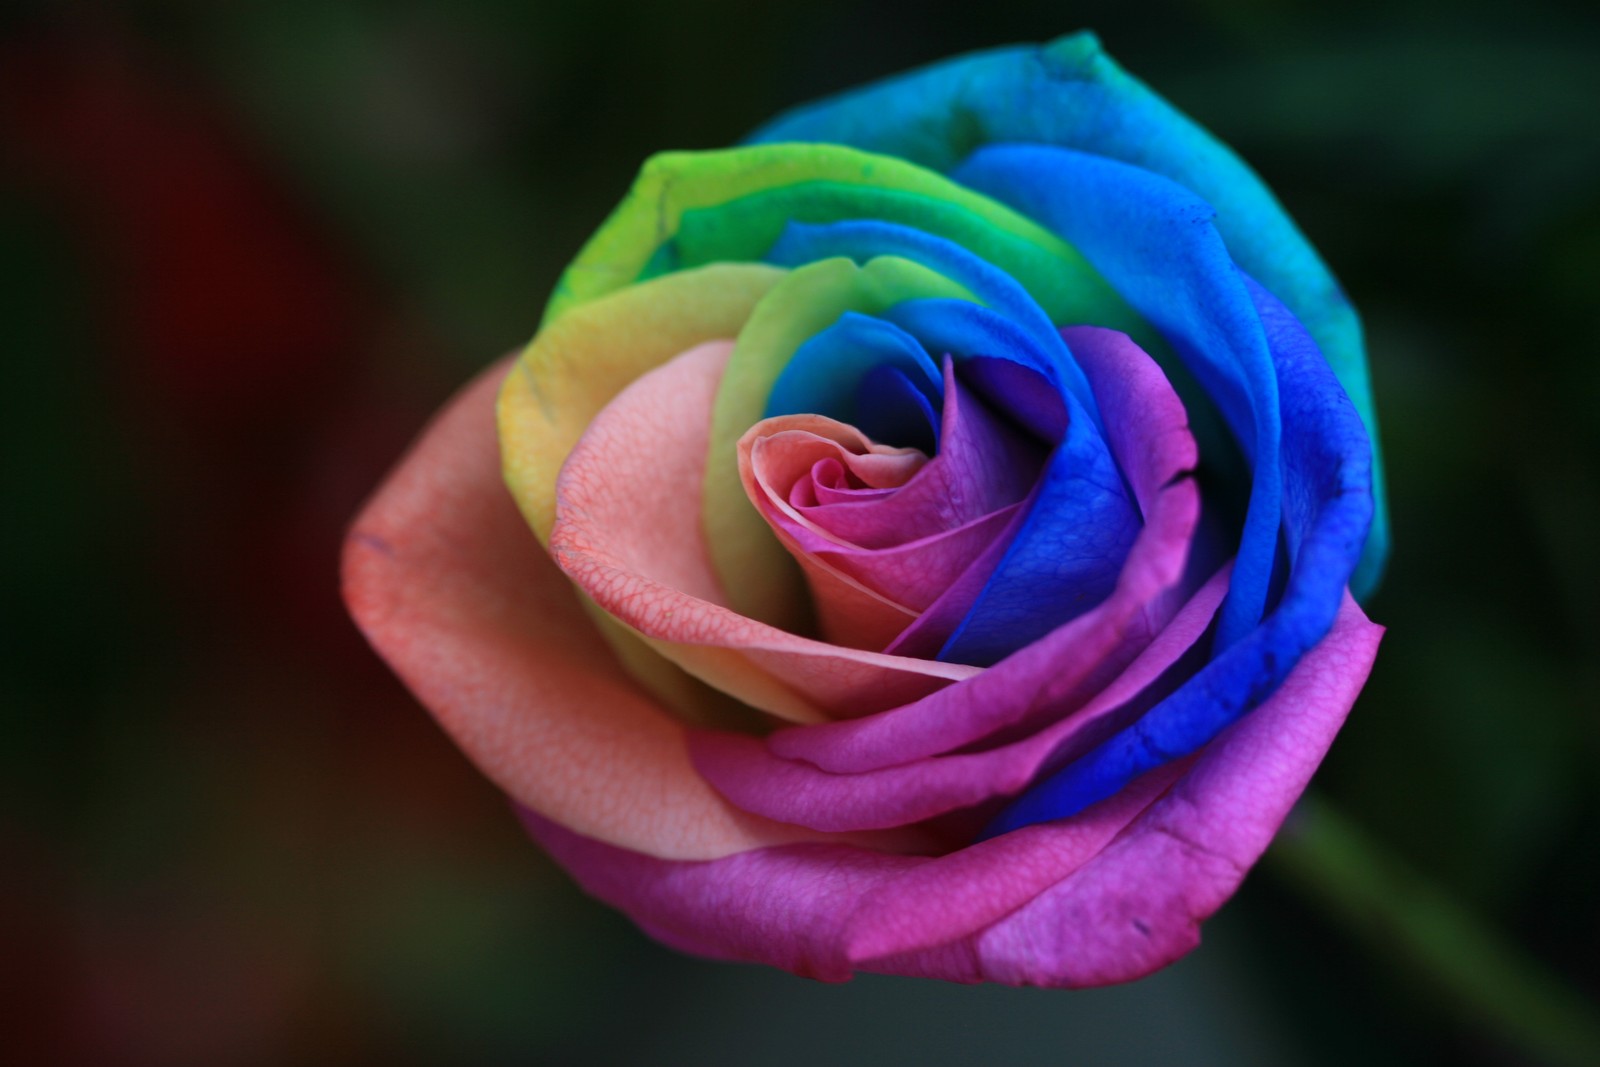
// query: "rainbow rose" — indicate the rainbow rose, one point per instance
point(863, 599)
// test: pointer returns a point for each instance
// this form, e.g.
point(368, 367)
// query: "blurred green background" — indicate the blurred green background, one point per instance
point(249, 246)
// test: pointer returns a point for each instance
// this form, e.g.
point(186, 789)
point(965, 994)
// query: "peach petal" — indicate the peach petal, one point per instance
point(628, 532)
point(848, 612)
point(451, 588)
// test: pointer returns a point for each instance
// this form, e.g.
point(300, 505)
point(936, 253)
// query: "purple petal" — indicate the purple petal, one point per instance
point(1138, 905)
point(743, 768)
point(1146, 425)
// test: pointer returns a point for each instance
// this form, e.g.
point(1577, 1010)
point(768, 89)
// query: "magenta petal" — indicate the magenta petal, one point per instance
point(1138, 905)
point(962, 893)
point(782, 906)
point(1146, 424)
point(746, 771)
point(819, 910)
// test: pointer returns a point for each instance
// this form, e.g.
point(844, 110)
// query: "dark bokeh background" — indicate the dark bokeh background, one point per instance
point(247, 247)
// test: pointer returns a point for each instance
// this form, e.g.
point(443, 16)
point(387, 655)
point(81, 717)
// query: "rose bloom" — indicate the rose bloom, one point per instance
point(862, 598)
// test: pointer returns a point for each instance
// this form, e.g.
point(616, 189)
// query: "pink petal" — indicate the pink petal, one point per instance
point(848, 612)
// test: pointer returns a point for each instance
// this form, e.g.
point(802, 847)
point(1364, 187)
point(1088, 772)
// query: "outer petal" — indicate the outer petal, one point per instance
point(574, 367)
point(571, 370)
point(1139, 904)
point(1106, 896)
point(1156, 241)
point(687, 209)
point(451, 588)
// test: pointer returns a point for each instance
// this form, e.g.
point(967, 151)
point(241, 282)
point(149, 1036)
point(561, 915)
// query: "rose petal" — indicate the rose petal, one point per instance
point(577, 365)
point(752, 565)
point(1065, 555)
point(865, 372)
point(443, 576)
point(1139, 904)
point(627, 531)
point(910, 546)
point(983, 465)
point(571, 370)
point(1146, 425)
point(688, 209)
point(1078, 657)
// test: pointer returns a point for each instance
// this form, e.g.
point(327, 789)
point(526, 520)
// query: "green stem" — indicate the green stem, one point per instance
point(1484, 977)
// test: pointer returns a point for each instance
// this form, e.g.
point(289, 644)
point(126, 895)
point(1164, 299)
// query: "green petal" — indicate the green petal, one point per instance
point(691, 208)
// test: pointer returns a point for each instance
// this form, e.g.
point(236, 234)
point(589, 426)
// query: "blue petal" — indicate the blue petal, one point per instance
point(1155, 243)
point(1068, 551)
point(1066, 555)
point(825, 373)
point(892, 409)
point(1328, 470)
point(1016, 390)
point(803, 243)
point(1070, 93)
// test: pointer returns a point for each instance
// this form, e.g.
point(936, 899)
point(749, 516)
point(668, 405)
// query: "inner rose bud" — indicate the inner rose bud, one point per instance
point(884, 534)
point(910, 554)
